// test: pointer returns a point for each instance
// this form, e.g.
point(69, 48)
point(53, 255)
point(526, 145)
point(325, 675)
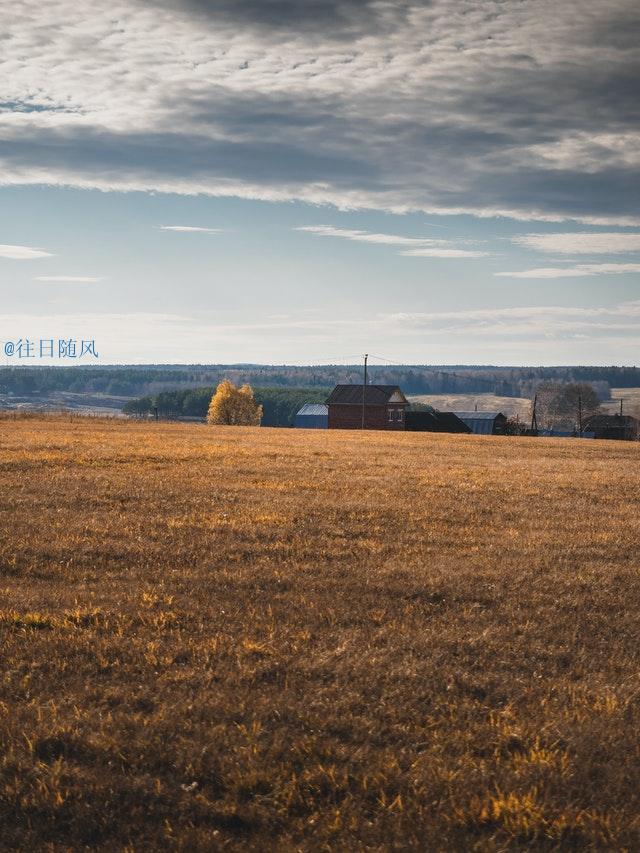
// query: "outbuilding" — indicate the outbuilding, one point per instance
point(435, 422)
point(312, 416)
point(484, 423)
point(620, 427)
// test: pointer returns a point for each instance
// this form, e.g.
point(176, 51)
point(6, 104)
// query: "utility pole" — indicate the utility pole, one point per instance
point(364, 386)
point(534, 416)
point(580, 415)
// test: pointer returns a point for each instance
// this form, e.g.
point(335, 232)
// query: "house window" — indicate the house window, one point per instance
point(390, 415)
point(399, 414)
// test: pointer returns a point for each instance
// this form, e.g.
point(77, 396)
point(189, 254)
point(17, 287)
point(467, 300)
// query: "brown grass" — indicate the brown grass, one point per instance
point(248, 639)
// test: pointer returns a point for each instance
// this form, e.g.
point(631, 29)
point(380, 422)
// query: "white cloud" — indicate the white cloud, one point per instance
point(422, 247)
point(444, 253)
point(580, 243)
point(587, 151)
point(366, 236)
point(76, 279)
point(190, 228)
point(573, 272)
point(22, 253)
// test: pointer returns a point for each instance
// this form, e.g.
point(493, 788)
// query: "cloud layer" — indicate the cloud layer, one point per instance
point(581, 243)
point(526, 109)
point(535, 323)
point(414, 337)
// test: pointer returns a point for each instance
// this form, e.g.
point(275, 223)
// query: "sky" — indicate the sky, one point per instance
point(278, 181)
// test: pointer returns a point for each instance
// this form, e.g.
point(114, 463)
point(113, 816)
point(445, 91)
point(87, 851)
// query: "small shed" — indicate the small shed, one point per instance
point(435, 422)
point(312, 416)
point(620, 427)
point(484, 423)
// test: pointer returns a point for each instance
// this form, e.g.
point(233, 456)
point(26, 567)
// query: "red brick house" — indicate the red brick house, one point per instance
point(384, 407)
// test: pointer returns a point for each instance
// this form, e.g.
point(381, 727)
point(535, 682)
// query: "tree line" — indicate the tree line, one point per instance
point(144, 380)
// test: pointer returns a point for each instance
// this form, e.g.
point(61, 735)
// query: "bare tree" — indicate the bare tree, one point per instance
point(564, 406)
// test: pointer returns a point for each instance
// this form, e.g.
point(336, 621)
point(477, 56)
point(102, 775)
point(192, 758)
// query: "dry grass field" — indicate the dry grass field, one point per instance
point(224, 638)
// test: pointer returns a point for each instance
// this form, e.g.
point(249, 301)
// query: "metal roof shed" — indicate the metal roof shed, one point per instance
point(483, 423)
point(312, 416)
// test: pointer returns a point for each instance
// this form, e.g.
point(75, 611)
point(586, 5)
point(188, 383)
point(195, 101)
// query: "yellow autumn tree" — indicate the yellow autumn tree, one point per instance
point(234, 406)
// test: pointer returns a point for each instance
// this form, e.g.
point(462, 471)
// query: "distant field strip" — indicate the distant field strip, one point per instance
point(510, 406)
point(630, 401)
point(251, 639)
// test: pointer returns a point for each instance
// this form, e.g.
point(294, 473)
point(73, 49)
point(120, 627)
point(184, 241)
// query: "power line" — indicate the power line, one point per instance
point(468, 377)
point(332, 361)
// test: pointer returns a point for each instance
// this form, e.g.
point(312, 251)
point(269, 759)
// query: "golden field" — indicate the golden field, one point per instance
point(225, 638)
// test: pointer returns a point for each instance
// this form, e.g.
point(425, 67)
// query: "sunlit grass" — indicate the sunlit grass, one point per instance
point(234, 638)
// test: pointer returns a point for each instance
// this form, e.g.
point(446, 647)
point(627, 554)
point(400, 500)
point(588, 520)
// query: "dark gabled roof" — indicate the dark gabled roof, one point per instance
point(608, 421)
point(351, 395)
point(450, 422)
point(482, 423)
point(434, 422)
point(478, 416)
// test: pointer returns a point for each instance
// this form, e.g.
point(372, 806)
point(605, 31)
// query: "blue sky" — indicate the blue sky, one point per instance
point(286, 182)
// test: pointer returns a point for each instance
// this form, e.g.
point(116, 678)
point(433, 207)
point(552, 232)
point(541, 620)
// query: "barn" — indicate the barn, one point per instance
point(620, 427)
point(435, 422)
point(379, 406)
point(484, 423)
point(312, 416)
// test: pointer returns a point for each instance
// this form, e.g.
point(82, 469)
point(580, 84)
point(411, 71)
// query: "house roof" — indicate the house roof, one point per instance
point(481, 423)
point(600, 421)
point(435, 422)
point(313, 409)
point(375, 395)
point(450, 422)
point(478, 416)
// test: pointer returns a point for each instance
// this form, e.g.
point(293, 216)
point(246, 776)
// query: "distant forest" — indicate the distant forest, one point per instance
point(143, 380)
